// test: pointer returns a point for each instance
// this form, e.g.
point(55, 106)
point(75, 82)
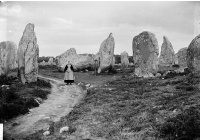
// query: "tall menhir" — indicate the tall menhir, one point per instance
point(28, 53)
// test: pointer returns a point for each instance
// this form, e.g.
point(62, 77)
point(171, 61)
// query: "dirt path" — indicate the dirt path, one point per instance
point(59, 103)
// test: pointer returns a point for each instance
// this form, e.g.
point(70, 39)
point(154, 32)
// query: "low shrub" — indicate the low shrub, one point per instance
point(6, 80)
point(39, 83)
point(17, 98)
point(185, 126)
point(10, 110)
point(40, 93)
point(175, 66)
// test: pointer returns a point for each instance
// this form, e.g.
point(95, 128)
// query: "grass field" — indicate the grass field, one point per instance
point(128, 108)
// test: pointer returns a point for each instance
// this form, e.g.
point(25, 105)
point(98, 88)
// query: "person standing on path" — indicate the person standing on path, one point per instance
point(69, 74)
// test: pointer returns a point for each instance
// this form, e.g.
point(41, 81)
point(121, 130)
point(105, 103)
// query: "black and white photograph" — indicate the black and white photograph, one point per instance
point(99, 70)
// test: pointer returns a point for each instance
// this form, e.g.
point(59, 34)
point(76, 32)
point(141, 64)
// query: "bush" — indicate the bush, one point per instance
point(5, 80)
point(185, 126)
point(10, 110)
point(17, 99)
point(39, 83)
point(8, 95)
point(40, 93)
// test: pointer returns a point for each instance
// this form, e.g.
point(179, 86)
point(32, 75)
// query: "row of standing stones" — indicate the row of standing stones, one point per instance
point(145, 56)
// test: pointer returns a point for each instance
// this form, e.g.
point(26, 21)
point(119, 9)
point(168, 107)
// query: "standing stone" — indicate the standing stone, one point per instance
point(79, 62)
point(176, 59)
point(8, 57)
point(167, 56)
point(182, 57)
point(124, 59)
point(106, 54)
point(28, 53)
point(145, 54)
point(193, 55)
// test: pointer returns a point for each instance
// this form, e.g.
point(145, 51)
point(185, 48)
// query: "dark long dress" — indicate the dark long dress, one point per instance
point(69, 74)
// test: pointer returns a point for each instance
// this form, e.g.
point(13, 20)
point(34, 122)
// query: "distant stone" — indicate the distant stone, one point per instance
point(46, 133)
point(51, 61)
point(113, 63)
point(193, 55)
point(28, 53)
point(124, 59)
point(43, 63)
point(179, 70)
point(64, 129)
point(8, 57)
point(105, 56)
point(145, 54)
point(182, 57)
point(176, 59)
point(158, 75)
point(79, 62)
point(167, 56)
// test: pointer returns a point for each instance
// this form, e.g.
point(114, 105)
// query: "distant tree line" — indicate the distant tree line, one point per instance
point(46, 59)
point(118, 59)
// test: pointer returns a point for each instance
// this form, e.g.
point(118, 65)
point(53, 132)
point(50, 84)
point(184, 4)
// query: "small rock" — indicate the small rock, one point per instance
point(59, 106)
point(46, 133)
point(158, 75)
point(39, 99)
point(87, 85)
point(174, 111)
point(63, 129)
point(47, 117)
point(46, 128)
point(42, 115)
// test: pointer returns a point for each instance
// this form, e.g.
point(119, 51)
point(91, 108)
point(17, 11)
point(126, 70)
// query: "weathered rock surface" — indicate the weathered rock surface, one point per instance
point(8, 57)
point(145, 54)
point(167, 56)
point(28, 53)
point(182, 57)
point(124, 59)
point(193, 55)
point(106, 54)
point(79, 62)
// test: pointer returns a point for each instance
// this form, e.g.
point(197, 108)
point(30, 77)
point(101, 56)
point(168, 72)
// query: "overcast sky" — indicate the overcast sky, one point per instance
point(84, 25)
